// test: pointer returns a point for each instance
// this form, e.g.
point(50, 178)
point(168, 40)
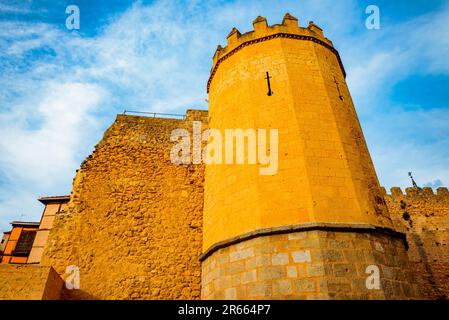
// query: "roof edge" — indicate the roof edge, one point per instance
point(45, 200)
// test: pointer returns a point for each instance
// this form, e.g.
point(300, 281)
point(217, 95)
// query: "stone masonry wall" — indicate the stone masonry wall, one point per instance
point(308, 265)
point(29, 282)
point(134, 228)
point(424, 217)
point(134, 222)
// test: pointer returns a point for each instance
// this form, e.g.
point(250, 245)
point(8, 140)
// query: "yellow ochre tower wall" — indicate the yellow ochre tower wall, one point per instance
point(311, 229)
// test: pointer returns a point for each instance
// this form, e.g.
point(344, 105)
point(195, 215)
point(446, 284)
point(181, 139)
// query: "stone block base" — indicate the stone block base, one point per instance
point(310, 265)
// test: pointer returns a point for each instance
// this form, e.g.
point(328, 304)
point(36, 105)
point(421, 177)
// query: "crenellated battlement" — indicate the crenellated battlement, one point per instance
point(422, 214)
point(289, 25)
point(289, 28)
point(396, 192)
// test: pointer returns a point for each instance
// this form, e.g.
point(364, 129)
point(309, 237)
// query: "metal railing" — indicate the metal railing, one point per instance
point(154, 114)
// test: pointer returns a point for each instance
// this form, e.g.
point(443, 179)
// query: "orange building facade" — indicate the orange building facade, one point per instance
point(53, 206)
point(3, 242)
point(26, 241)
point(20, 242)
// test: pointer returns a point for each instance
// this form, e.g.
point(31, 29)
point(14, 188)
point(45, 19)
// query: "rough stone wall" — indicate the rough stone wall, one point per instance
point(308, 265)
point(424, 217)
point(134, 227)
point(134, 222)
point(29, 282)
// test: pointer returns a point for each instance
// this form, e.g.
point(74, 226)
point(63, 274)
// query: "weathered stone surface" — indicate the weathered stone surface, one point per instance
point(280, 259)
point(29, 282)
point(134, 222)
point(423, 217)
point(313, 273)
point(301, 256)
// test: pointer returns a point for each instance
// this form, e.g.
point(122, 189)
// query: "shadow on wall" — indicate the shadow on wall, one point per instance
point(418, 242)
point(76, 294)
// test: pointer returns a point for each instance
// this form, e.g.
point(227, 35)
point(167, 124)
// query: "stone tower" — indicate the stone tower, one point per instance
point(319, 228)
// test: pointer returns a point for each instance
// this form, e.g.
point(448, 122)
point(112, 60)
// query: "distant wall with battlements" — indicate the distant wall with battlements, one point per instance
point(423, 215)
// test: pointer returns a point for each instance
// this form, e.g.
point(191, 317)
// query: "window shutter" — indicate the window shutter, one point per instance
point(25, 243)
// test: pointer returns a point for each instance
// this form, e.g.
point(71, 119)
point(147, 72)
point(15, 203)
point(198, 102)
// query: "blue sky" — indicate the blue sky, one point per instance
point(60, 89)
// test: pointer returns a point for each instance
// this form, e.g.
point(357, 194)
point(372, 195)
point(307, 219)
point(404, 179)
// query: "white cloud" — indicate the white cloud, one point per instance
point(368, 80)
point(401, 138)
point(376, 60)
point(416, 140)
point(142, 60)
point(434, 184)
point(44, 159)
point(4, 8)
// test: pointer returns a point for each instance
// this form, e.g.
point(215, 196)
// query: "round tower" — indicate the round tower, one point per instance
point(317, 226)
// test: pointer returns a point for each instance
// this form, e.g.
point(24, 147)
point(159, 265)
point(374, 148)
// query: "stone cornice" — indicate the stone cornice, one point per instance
point(311, 226)
point(271, 37)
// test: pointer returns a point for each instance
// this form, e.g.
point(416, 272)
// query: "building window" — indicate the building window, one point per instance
point(25, 243)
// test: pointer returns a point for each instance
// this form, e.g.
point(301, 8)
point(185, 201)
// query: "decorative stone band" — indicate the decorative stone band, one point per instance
point(310, 226)
point(270, 37)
